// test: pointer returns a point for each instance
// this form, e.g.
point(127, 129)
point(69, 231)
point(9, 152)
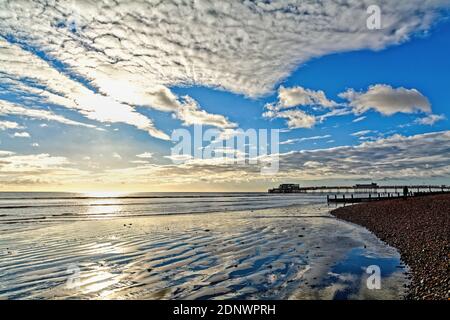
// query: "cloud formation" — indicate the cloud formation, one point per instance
point(380, 97)
point(395, 157)
point(422, 156)
point(430, 119)
point(22, 134)
point(295, 118)
point(299, 96)
point(145, 155)
point(190, 113)
point(4, 125)
point(387, 100)
point(104, 59)
point(37, 169)
point(8, 108)
point(222, 44)
point(46, 84)
point(291, 141)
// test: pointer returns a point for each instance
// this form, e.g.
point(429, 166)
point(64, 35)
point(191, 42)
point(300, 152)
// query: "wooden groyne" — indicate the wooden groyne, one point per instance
point(350, 198)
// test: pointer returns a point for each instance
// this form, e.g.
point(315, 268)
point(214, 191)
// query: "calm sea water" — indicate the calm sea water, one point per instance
point(20, 210)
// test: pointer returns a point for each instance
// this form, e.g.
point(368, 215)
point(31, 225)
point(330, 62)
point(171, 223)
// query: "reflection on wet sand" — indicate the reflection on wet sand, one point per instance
point(286, 253)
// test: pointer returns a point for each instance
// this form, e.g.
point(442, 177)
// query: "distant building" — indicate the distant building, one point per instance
point(286, 188)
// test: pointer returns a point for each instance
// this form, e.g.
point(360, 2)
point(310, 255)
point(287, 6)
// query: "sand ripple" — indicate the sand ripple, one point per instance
point(286, 253)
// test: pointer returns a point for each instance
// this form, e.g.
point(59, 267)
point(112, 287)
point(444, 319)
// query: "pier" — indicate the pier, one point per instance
point(365, 192)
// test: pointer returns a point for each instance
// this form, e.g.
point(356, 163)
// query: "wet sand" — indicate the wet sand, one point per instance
point(299, 252)
point(420, 229)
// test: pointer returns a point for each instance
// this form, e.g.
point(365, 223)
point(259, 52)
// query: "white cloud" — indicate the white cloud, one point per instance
point(241, 46)
point(299, 96)
point(361, 133)
point(359, 119)
point(430, 119)
point(117, 156)
point(387, 100)
point(4, 125)
point(21, 135)
point(145, 155)
point(420, 156)
point(4, 153)
point(190, 113)
point(295, 118)
point(137, 50)
point(396, 157)
point(35, 144)
point(139, 162)
point(8, 108)
point(291, 141)
point(38, 169)
point(60, 89)
point(334, 113)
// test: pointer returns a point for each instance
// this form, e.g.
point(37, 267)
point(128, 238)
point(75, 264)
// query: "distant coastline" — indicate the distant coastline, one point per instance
point(418, 228)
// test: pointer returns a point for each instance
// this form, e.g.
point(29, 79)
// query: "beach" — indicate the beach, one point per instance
point(420, 229)
point(295, 251)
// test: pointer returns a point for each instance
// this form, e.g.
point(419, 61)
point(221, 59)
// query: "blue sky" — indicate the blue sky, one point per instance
point(79, 113)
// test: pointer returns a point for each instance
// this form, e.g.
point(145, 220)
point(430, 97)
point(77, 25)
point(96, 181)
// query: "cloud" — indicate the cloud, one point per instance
point(299, 96)
point(334, 113)
point(4, 153)
point(387, 100)
point(117, 156)
point(295, 118)
point(48, 85)
point(430, 119)
point(8, 108)
point(241, 46)
point(21, 135)
point(139, 162)
point(361, 133)
point(359, 119)
point(28, 164)
point(190, 113)
point(105, 68)
point(380, 97)
point(4, 125)
point(145, 155)
point(420, 156)
point(291, 141)
point(38, 169)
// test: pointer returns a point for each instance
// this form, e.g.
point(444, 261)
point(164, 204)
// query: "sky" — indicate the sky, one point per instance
point(91, 92)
